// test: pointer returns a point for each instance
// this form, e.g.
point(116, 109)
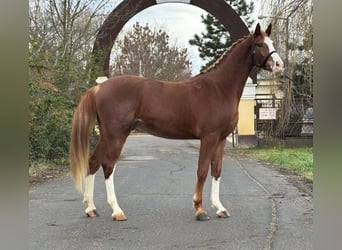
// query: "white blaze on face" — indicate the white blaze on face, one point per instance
point(278, 63)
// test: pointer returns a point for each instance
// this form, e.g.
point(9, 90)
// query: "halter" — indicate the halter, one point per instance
point(263, 64)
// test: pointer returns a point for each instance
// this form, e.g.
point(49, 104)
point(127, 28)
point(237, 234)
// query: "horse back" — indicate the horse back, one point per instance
point(182, 110)
point(159, 108)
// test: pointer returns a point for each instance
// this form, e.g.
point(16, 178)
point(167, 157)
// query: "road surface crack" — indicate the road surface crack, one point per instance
point(273, 224)
point(180, 167)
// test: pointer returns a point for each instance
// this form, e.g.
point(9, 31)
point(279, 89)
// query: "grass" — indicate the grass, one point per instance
point(299, 160)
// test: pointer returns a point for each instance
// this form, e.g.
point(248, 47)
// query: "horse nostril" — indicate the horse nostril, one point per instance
point(280, 64)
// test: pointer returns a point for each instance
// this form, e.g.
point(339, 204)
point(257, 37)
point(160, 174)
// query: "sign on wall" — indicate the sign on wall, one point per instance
point(267, 113)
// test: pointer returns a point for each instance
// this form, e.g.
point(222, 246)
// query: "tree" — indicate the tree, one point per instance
point(297, 47)
point(147, 52)
point(216, 39)
point(61, 33)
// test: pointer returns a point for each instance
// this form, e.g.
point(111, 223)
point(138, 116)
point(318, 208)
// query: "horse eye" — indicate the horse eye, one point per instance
point(259, 44)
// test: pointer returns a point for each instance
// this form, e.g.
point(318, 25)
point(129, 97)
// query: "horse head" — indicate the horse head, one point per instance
point(264, 54)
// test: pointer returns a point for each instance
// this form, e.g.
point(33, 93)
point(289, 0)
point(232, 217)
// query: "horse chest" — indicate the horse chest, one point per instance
point(221, 122)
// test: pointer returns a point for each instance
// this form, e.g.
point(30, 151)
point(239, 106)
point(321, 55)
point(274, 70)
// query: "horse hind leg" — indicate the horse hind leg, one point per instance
point(117, 214)
point(109, 167)
point(88, 194)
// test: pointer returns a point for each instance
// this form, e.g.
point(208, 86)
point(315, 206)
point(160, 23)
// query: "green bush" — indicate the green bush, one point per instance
point(49, 124)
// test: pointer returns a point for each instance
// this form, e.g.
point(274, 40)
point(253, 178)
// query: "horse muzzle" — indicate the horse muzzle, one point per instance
point(277, 64)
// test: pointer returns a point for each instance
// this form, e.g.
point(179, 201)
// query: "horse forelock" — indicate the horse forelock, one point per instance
point(228, 50)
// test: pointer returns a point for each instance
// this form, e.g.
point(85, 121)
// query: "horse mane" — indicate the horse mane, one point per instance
point(213, 65)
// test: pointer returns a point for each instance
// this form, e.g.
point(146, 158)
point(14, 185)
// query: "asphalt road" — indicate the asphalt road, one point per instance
point(154, 184)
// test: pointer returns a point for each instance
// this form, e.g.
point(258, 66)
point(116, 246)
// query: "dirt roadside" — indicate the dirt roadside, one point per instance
point(49, 172)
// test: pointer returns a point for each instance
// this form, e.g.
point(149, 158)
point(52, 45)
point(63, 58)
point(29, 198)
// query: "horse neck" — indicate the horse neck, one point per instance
point(231, 72)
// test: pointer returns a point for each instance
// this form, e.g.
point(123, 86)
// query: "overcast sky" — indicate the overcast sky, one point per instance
point(180, 21)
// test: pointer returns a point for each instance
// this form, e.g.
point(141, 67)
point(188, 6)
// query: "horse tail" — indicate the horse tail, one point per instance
point(83, 122)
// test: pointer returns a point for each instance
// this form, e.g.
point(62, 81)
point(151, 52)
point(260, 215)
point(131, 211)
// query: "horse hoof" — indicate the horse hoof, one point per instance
point(92, 213)
point(119, 217)
point(202, 217)
point(223, 214)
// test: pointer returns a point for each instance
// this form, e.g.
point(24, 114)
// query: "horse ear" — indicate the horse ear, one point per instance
point(257, 31)
point(269, 29)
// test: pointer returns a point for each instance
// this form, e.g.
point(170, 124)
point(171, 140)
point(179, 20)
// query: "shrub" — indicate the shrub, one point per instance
point(50, 115)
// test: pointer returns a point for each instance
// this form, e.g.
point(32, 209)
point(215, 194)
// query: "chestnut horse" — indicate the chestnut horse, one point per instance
point(203, 107)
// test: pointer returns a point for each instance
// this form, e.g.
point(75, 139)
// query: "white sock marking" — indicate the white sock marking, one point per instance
point(215, 193)
point(88, 195)
point(111, 197)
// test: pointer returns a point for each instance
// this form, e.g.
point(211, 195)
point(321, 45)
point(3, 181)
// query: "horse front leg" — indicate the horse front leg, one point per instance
point(216, 167)
point(208, 144)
